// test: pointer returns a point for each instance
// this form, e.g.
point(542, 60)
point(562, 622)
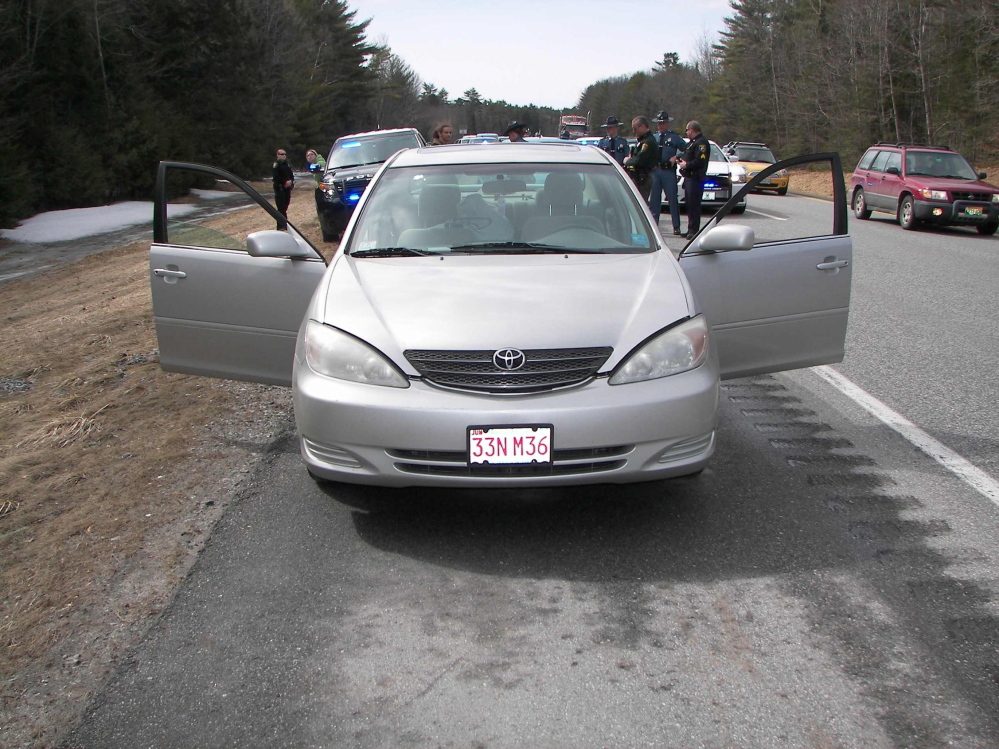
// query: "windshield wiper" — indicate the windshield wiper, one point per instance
point(520, 246)
point(389, 252)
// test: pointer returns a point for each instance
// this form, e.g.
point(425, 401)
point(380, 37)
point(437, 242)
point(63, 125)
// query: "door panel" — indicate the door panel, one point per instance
point(772, 308)
point(218, 311)
point(784, 304)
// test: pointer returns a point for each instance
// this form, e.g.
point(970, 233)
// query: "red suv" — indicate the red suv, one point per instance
point(923, 183)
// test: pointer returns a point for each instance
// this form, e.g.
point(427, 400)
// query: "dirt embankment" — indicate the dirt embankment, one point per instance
point(112, 474)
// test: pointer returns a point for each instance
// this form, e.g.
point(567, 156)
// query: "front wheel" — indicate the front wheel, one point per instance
point(782, 191)
point(907, 213)
point(988, 229)
point(860, 209)
point(329, 236)
point(738, 209)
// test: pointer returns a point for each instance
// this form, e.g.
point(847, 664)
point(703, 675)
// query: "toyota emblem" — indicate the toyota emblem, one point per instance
point(509, 359)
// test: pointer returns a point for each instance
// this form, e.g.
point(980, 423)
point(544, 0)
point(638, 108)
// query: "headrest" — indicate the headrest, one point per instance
point(439, 203)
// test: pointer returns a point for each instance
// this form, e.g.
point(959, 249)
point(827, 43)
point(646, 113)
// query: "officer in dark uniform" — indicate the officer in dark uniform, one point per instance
point(664, 175)
point(284, 181)
point(646, 156)
point(693, 167)
point(612, 143)
point(516, 131)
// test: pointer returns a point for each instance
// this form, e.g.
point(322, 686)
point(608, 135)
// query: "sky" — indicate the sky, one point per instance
point(544, 52)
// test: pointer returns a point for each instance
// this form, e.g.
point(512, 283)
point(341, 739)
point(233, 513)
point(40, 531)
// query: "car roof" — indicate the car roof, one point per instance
point(369, 133)
point(564, 152)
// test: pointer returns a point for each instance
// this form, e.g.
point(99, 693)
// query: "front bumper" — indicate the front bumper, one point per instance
point(417, 436)
point(957, 212)
point(333, 211)
point(716, 192)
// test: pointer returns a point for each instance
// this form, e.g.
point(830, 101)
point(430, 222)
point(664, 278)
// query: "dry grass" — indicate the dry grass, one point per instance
point(112, 474)
point(818, 182)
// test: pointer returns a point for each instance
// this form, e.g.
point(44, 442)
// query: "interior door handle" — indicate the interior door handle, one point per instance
point(832, 264)
point(164, 273)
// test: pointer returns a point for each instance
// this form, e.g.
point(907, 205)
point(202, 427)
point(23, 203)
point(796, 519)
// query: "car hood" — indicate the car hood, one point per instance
point(476, 302)
point(363, 171)
point(754, 166)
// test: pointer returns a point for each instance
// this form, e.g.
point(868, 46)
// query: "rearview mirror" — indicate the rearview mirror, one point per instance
point(273, 243)
point(728, 238)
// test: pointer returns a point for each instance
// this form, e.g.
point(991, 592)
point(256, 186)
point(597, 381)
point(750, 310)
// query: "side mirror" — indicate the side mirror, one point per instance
point(273, 243)
point(982, 175)
point(728, 238)
point(893, 170)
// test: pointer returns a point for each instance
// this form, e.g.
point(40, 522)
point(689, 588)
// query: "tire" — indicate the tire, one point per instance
point(738, 209)
point(860, 209)
point(907, 213)
point(782, 191)
point(329, 236)
point(988, 229)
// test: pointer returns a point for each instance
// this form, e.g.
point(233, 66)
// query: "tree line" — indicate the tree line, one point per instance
point(807, 76)
point(94, 92)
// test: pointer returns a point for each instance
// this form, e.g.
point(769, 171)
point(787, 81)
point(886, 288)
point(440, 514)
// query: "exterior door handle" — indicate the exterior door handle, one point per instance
point(833, 264)
point(164, 273)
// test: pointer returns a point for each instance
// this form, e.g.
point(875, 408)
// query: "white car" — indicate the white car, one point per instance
point(501, 316)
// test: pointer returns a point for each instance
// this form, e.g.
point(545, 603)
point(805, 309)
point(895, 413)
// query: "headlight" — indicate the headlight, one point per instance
point(782, 173)
point(677, 350)
point(333, 353)
point(934, 194)
point(327, 186)
point(738, 174)
point(995, 197)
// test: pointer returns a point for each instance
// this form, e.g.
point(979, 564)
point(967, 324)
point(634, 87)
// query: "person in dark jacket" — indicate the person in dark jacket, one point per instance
point(613, 143)
point(646, 156)
point(693, 167)
point(284, 182)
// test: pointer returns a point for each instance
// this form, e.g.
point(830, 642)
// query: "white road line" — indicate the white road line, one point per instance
point(766, 215)
point(961, 467)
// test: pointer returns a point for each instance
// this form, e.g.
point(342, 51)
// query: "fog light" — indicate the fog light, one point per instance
point(938, 212)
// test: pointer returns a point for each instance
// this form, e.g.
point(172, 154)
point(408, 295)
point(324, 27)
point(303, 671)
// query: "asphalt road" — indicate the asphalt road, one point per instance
point(823, 583)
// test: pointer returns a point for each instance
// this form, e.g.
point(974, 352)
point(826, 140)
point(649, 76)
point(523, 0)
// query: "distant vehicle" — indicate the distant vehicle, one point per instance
point(574, 123)
point(479, 138)
point(756, 157)
point(352, 163)
point(917, 183)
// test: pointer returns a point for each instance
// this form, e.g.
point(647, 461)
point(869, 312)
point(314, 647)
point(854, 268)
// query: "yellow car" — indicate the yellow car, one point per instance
point(756, 157)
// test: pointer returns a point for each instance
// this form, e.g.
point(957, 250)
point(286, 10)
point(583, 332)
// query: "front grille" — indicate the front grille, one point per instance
point(564, 463)
point(543, 369)
point(355, 186)
point(964, 195)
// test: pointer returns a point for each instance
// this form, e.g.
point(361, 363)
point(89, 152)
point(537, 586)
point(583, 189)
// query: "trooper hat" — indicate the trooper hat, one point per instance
point(612, 121)
point(663, 117)
point(515, 126)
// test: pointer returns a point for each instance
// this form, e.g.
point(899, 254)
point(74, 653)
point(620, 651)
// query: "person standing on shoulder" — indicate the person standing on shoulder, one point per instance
point(646, 156)
point(664, 175)
point(693, 167)
point(317, 164)
point(516, 131)
point(284, 183)
point(442, 135)
point(613, 143)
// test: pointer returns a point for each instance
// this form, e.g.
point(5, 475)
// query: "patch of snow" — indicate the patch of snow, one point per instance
point(214, 194)
point(62, 226)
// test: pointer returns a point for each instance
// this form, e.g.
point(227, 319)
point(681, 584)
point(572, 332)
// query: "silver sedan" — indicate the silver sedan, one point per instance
point(502, 316)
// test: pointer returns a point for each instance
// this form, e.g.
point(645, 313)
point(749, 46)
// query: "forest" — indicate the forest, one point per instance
point(94, 92)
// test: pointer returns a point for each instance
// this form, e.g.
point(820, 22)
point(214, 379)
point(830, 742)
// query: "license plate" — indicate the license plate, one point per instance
point(765, 182)
point(510, 445)
point(973, 210)
point(709, 196)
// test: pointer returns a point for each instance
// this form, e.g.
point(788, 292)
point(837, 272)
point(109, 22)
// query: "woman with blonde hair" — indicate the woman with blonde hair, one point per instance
point(317, 164)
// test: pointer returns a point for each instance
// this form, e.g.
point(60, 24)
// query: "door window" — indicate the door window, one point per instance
point(865, 163)
point(894, 160)
point(880, 161)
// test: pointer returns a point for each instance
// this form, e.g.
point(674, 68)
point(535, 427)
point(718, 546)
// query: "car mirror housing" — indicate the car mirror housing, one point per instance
point(893, 170)
point(729, 238)
point(273, 243)
point(982, 175)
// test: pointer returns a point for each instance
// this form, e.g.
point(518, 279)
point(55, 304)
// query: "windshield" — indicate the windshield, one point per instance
point(501, 209)
point(372, 149)
point(760, 155)
point(938, 164)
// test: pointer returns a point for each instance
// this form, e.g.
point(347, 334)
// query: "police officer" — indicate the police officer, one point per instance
point(646, 156)
point(516, 132)
point(612, 143)
point(693, 167)
point(284, 181)
point(664, 175)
